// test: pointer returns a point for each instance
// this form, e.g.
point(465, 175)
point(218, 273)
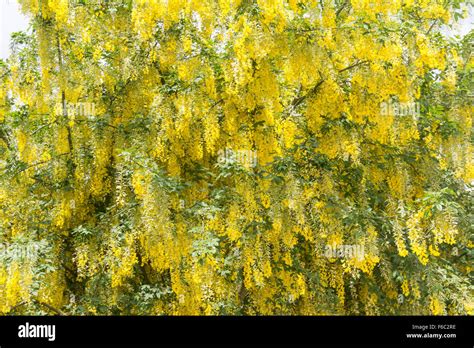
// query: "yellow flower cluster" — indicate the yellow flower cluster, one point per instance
point(416, 236)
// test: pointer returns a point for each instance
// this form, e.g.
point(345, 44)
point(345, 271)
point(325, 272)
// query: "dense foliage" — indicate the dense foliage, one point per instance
point(115, 198)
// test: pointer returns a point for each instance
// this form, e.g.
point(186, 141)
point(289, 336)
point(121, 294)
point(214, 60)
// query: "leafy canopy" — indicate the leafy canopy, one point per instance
point(113, 117)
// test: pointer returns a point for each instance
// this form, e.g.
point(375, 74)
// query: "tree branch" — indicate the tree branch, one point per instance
point(297, 101)
point(44, 304)
point(341, 8)
point(51, 308)
point(353, 66)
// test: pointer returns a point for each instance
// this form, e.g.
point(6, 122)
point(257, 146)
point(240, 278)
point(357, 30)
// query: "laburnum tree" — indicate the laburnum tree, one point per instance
point(128, 209)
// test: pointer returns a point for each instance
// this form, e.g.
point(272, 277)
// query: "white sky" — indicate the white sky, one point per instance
point(12, 20)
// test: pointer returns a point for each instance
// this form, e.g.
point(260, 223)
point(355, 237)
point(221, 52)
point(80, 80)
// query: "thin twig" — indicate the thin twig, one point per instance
point(432, 26)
